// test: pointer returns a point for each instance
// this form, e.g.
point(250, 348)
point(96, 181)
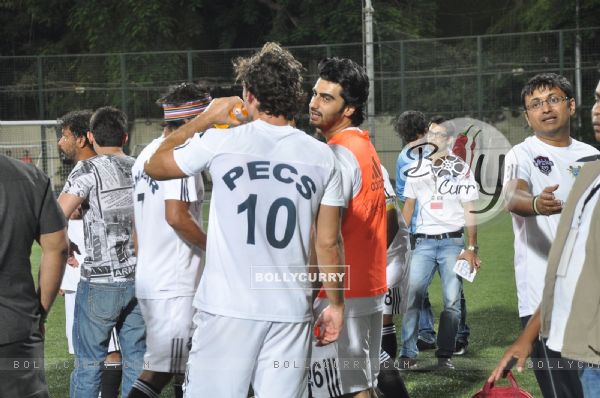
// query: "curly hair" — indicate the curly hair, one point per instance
point(76, 121)
point(546, 80)
point(410, 124)
point(354, 81)
point(274, 77)
point(109, 126)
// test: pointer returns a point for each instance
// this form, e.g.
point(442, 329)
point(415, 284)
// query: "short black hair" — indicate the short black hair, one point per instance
point(274, 77)
point(437, 119)
point(409, 125)
point(354, 81)
point(76, 121)
point(546, 80)
point(179, 94)
point(109, 126)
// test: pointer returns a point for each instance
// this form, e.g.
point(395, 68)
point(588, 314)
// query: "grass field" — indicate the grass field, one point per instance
point(492, 317)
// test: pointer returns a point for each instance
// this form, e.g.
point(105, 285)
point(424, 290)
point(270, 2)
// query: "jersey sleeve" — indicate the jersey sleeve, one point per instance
point(334, 195)
point(80, 181)
point(471, 192)
point(390, 195)
point(350, 169)
point(196, 154)
point(183, 189)
point(409, 188)
point(516, 166)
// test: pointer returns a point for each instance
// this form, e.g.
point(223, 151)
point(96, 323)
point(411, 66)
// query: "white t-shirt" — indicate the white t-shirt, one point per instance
point(72, 274)
point(167, 265)
point(540, 165)
point(268, 183)
point(440, 194)
point(398, 252)
point(571, 266)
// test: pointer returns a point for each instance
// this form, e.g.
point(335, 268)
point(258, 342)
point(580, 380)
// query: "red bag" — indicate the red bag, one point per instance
point(512, 391)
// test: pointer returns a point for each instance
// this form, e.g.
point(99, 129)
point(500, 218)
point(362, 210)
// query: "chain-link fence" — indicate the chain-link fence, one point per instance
point(476, 76)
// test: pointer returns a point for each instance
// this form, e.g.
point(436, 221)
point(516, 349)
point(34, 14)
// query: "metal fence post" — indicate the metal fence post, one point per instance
point(42, 110)
point(561, 52)
point(479, 78)
point(123, 83)
point(402, 78)
point(190, 67)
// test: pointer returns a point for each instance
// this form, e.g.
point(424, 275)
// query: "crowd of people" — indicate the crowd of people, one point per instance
point(310, 249)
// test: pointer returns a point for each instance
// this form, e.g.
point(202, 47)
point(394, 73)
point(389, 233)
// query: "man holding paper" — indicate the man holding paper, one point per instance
point(445, 190)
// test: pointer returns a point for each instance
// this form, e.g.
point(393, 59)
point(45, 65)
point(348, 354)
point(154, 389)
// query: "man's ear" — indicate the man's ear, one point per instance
point(527, 118)
point(90, 137)
point(572, 106)
point(349, 111)
point(125, 139)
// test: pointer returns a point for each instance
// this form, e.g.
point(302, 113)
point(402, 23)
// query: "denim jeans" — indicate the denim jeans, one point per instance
point(429, 256)
point(426, 319)
point(98, 308)
point(590, 380)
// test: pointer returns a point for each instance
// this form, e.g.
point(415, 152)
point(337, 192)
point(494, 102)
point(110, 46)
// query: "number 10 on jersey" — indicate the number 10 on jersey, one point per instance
point(249, 206)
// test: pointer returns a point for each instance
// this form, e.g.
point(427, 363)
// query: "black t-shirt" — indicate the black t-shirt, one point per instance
point(27, 209)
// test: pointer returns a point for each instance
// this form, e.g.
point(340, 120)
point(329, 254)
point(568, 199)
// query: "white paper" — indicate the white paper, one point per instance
point(463, 269)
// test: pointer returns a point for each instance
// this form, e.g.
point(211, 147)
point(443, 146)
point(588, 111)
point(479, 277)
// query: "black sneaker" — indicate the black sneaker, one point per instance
point(445, 364)
point(423, 345)
point(461, 348)
point(406, 363)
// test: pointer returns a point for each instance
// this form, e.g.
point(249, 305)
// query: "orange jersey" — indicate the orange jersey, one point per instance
point(364, 221)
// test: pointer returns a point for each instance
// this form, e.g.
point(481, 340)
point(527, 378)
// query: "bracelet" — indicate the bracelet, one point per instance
point(534, 205)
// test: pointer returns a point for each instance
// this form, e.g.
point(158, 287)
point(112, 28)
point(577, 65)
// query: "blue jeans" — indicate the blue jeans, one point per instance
point(590, 381)
point(429, 256)
point(98, 308)
point(426, 329)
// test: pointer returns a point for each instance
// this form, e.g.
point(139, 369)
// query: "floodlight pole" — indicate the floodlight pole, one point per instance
point(368, 24)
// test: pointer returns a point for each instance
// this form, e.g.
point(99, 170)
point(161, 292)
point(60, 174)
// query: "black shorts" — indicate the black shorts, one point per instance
point(22, 368)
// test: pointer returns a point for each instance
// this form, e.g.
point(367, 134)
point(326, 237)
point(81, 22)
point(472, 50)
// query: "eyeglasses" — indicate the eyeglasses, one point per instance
point(552, 100)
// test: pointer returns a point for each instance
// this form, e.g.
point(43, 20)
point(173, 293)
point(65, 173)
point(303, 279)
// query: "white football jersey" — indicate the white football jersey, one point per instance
point(541, 165)
point(268, 183)
point(167, 265)
point(73, 274)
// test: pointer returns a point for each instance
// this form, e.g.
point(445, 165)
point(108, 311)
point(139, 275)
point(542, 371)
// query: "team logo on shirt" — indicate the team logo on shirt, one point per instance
point(544, 164)
point(575, 170)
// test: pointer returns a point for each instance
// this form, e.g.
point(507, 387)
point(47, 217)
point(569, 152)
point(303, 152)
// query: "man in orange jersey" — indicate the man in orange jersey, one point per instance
point(350, 367)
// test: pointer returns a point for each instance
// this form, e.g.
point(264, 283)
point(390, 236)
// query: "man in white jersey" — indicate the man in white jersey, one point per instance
point(169, 241)
point(74, 146)
point(538, 176)
point(271, 183)
point(569, 313)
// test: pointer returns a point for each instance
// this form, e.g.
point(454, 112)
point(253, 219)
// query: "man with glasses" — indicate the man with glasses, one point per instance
point(445, 190)
point(538, 176)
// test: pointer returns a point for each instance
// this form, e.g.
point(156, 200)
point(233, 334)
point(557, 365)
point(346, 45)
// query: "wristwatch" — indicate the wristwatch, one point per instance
point(473, 248)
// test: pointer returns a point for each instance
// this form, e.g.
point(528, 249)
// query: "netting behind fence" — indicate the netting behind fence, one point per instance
point(477, 76)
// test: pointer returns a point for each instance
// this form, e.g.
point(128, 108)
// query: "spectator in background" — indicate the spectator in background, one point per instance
point(28, 212)
point(26, 158)
point(445, 191)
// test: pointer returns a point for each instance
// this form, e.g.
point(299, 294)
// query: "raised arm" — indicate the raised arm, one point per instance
point(162, 165)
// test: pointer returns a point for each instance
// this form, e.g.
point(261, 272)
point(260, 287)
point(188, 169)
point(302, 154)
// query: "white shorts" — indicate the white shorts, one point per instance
point(351, 364)
point(113, 344)
point(169, 330)
point(392, 302)
point(230, 354)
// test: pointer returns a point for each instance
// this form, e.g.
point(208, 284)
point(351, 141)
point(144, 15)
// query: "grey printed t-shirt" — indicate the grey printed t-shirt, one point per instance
point(105, 181)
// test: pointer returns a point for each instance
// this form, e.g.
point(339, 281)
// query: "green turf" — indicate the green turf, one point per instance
point(492, 316)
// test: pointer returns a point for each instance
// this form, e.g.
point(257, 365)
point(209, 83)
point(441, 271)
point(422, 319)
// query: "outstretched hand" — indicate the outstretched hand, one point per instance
point(547, 204)
point(518, 352)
